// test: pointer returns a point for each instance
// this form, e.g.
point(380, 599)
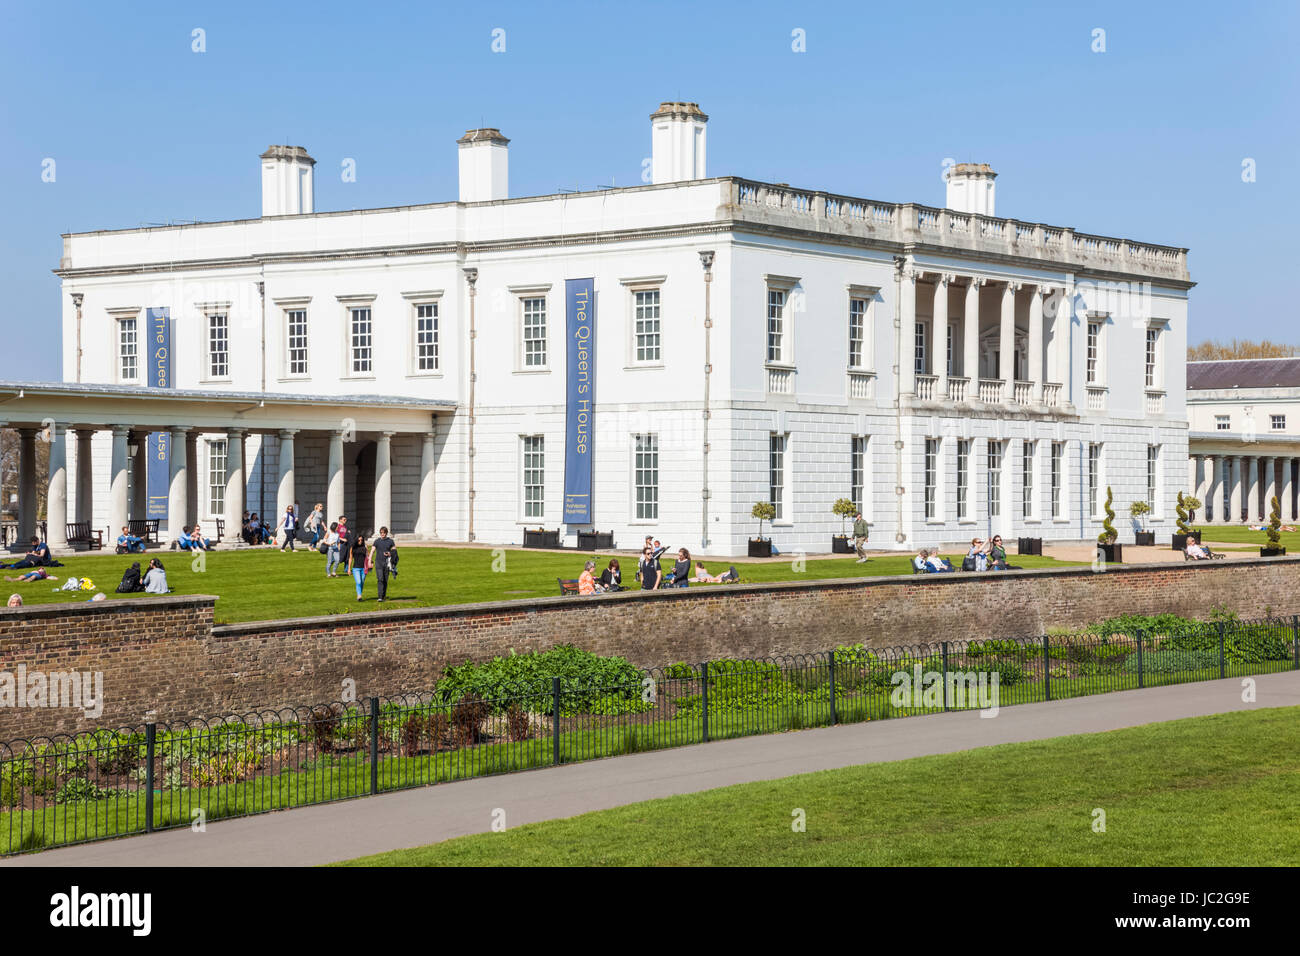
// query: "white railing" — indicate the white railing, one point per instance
point(1022, 393)
point(1155, 401)
point(1096, 397)
point(780, 381)
point(1052, 394)
point(957, 388)
point(861, 384)
point(925, 387)
point(990, 391)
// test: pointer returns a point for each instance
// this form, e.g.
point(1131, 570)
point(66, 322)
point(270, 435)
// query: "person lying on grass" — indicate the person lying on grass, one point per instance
point(35, 574)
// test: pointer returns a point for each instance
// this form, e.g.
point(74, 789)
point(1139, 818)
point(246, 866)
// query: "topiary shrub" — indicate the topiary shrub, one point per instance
point(1274, 531)
point(844, 509)
point(1192, 503)
point(1180, 509)
point(763, 511)
point(1108, 532)
point(1139, 510)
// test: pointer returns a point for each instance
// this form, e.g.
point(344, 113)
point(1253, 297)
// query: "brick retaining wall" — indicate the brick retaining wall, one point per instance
point(162, 657)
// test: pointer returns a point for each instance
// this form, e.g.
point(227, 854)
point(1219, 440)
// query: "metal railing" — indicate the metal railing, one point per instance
point(94, 785)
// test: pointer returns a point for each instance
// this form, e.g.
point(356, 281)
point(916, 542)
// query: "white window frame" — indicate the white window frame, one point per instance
point(1222, 423)
point(995, 503)
point(860, 474)
point(534, 509)
point(1056, 481)
point(865, 295)
point(785, 285)
point(962, 496)
point(209, 322)
point(931, 470)
point(644, 285)
point(286, 307)
point(524, 294)
point(1095, 480)
point(920, 347)
point(1151, 377)
point(1094, 364)
point(1153, 480)
point(120, 317)
point(1277, 423)
point(1029, 480)
point(218, 451)
point(858, 306)
point(351, 304)
point(645, 495)
point(417, 301)
point(778, 443)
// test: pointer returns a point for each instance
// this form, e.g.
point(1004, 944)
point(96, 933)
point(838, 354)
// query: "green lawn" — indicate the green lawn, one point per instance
point(262, 584)
point(1237, 534)
point(1208, 791)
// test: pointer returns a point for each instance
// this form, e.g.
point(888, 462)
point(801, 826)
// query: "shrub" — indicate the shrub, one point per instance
point(1172, 662)
point(680, 671)
point(437, 725)
point(517, 724)
point(1182, 510)
point(1108, 532)
point(467, 718)
point(1274, 531)
point(978, 648)
point(10, 793)
point(324, 724)
point(1140, 510)
point(763, 511)
point(844, 509)
point(78, 789)
point(412, 731)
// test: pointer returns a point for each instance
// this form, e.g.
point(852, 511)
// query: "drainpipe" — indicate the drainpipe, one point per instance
point(471, 277)
point(261, 294)
point(77, 299)
point(900, 263)
point(706, 260)
point(261, 438)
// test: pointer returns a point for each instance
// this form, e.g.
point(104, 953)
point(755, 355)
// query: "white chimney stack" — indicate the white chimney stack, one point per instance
point(286, 181)
point(677, 142)
point(484, 170)
point(970, 188)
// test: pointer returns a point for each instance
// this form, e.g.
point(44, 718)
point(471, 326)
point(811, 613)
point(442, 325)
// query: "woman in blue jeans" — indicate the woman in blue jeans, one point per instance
point(358, 554)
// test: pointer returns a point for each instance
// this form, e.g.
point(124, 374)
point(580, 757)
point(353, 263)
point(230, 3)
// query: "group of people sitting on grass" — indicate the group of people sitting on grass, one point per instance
point(982, 556)
point(650, 574)
point(1195, 551)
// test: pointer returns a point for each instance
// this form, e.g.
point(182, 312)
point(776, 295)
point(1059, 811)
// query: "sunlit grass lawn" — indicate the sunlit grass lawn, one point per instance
point(263, 583)
point(1248, 537)
point(1208, 791)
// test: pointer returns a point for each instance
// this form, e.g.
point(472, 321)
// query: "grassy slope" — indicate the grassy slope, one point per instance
point(263, 584)
point(1220, 790)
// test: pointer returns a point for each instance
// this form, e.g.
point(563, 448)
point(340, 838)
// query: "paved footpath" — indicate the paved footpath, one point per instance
point(313, 835)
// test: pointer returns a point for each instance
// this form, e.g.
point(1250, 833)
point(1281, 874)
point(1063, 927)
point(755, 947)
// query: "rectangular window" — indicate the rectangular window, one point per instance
point(995, 478)
point(776, 475)
point(534, 325)
point(295, 327)
point(931, 477)
point(218, 345)
point(1153, 336)
point(1277, 422)
point(1027, 477)
point(1058, 477)
point(963, 478)
point(1094, 477)
point(647, 329)
point(948, 359)
point(1094, 340)
point(426, 337)
point(361, 341)
point(646, 470)
point(858, 473)
point(534, 476)
point(128, 349)
point(1222, 422)
point(217, 476)
point(1153, 460)
point(857, 331)
point(776, 325)
point(918, 351)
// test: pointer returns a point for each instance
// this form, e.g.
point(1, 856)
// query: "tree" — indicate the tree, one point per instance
point(1108, 532)
point(845, 509)
point(1139, 510)
point(763, 511)
point(1192, 504)
point(1212, 349)
point(1274, 530)
point(9, 452)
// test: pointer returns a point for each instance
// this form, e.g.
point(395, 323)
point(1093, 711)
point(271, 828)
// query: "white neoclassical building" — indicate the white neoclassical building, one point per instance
point(952, 372)
point(1244, 441)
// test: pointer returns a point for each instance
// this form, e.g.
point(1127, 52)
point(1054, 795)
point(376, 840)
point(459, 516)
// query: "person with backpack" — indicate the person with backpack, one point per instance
point(289, 524)
point(383, 558)
point(358, 562)
point(131, 582)
point(333, 551)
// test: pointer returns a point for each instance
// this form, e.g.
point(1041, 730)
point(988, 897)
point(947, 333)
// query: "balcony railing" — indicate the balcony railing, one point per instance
point(1155, 401)
point(1022, 393)
point(1052, 394)
point(1096, 398)
point(862, 385)
point(957, 388)
point(780, 381)
point(925, 387)
point(990, 391)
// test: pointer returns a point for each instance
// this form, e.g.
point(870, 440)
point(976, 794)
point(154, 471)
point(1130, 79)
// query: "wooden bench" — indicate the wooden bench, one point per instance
point(221, 529)
point(567, 587)
point(146, 529)
point(80, 532)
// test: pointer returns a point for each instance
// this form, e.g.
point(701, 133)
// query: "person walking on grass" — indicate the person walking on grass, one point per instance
point(860, 534)
point(358, 562)
point(383, 558)
point(334, 551)
point(290, 526)
point(315, 524)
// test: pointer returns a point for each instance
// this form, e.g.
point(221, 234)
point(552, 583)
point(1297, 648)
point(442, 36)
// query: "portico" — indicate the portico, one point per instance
point(123, 418)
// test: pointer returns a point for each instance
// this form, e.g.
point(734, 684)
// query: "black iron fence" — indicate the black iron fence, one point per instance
point(94, 785)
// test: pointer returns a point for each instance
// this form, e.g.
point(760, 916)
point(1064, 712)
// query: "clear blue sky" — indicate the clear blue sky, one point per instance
point(1144, 141)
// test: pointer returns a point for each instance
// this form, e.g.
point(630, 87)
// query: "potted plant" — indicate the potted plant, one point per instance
point(761, 547)
point(1139, 511)
point(1186, 511)
point(1274, 530)
point(1111, 550)
point(844, 509)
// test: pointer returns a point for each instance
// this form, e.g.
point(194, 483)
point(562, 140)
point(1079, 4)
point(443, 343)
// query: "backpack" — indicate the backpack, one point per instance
point(130, 582)
point(968, 563)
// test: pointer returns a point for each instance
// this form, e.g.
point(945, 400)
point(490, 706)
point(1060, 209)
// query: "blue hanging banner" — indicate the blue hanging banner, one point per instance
point(580, 307)
point(157, 353)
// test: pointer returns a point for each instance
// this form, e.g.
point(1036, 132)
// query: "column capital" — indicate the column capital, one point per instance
point(471, 276)
point(236, 432)
point(974, 282)
point(288, 433)
point(78, 298)
point(388, 434)
point(1013, 287)
point(121, 431)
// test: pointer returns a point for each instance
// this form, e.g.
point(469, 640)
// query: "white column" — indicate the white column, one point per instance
point(939, 336)
point(1288, 502)
point(178, 486)
point(140, 475)
point(1270, 485)
point(334, 496)
point(85, 509)
point(1191, 474)
point(1036, 373)
point(117, 482)
point(234, 516)
point(1007, 341)
point(907, 344)
point(56, 501)
point(383, 482)
point(1216, 489)
point(425, 524)
point(192, 478)
point(26, 486)
point(1234, 508)
point(285, 491)
point(970, 338)
point(1252, 491)
point(1198, 482)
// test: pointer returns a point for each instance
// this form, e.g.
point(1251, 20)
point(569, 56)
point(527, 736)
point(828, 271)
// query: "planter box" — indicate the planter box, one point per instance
point(840, 544)
point(1029, 546)
point(595, 541)
point(1111, 553)
point(1271, 552)
point(1180, 540)
point(760, 547)
point(541, 538)
point(1145, 539)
